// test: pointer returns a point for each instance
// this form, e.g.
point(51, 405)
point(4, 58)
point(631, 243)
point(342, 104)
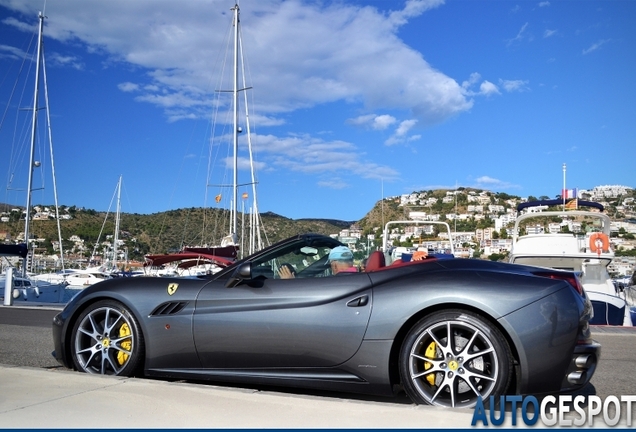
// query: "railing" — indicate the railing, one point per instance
point(629, 294)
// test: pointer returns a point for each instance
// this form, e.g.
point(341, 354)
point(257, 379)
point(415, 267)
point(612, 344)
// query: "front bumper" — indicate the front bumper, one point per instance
point(58, 341)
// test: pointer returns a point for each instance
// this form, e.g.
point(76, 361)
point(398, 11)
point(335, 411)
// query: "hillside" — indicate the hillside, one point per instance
point(172, 230)
point(160, 232)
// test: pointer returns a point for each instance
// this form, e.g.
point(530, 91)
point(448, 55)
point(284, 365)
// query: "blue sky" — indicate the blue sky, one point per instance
point(351, 100)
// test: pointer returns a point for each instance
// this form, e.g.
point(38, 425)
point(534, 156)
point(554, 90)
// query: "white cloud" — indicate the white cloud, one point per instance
point(491, 183)
point(309, 155)
point(19, 24)
point(472, 80)
point(404, 127)
point(549, 33)
point(487, 180)
point(128, 87)
point(334, 183)
point(400, 135)
point(520, 35)
point(514, 85)
point(363, 120)
point(11, 52)
point(382, 122)
point(595, 46)
point(544, 4)
point(66, 61)
point(487, 88)
point(373, 121)
point(360, 57)
point(412, 9)
point(243, 164)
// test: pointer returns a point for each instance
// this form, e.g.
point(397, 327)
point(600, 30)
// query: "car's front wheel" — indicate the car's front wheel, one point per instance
point(453, 357)
point(106, 340)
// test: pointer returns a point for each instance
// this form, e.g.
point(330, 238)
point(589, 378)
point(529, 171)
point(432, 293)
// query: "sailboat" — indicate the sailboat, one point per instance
point(109, 267)
point(211, 259)
point(254, 239)
point(25, 288)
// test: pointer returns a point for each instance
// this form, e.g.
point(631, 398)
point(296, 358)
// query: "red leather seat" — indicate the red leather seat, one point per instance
point(375, 262)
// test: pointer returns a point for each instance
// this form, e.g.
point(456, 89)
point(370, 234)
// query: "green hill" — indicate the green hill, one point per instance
point(159, 232)
point(170, 231)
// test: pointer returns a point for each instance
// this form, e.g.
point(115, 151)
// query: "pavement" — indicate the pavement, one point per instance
point(59, 398)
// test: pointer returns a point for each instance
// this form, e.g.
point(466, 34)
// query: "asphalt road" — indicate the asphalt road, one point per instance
point(26, 340)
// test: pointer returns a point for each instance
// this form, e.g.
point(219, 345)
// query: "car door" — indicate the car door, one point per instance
point(282, 323)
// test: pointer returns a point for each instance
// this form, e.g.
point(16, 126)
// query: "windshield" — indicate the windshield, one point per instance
point(305, 255)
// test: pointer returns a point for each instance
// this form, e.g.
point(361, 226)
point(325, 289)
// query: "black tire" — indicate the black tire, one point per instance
point(107, 340)
point(454, 372)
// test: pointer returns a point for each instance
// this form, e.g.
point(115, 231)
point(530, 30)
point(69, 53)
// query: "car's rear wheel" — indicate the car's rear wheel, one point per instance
point(106, 340)
point(453, 357)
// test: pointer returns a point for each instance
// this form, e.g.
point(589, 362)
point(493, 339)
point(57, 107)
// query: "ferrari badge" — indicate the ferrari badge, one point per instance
point(172, 288)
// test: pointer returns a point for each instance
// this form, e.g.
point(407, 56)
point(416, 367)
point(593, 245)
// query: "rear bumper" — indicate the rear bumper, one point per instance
point(582, 366)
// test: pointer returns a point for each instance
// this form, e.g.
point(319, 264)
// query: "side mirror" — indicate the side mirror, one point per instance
point(242, 273)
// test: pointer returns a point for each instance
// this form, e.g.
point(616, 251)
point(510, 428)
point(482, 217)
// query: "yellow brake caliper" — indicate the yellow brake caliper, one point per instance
point(430, 353)
point(124, 331)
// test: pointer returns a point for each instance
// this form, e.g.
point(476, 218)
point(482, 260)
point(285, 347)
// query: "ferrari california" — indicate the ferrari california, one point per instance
point(445, 330)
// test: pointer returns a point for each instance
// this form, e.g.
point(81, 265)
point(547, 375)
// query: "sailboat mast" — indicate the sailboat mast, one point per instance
point(117, 217)
point(48, 123)
point(249, 147)
point(34, 122)
point(236, 130)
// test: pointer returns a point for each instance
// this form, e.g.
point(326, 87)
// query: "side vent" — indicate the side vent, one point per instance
point(169, 308)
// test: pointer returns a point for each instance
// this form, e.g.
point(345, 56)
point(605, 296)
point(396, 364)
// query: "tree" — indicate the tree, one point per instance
point(503, 196)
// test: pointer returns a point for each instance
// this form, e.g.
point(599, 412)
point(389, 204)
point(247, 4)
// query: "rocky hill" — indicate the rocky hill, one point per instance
point(171, 230)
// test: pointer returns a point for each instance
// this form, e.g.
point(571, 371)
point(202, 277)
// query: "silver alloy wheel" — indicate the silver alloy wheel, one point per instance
point(452, 363)
point(104, 341)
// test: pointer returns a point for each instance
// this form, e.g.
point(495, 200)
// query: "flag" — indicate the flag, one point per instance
point(217, 198)
point(568, 193)
point(245, 195)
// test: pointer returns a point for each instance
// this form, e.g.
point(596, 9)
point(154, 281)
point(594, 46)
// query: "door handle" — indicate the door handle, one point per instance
point(359, 301)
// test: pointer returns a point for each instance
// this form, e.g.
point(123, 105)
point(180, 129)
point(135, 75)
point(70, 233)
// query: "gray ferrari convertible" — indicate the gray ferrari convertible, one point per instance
point(446, 330)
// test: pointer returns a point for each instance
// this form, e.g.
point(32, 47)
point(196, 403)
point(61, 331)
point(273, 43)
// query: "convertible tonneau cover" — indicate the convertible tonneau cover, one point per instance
point(159, 260)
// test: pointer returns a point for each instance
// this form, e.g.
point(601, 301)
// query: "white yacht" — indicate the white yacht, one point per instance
point(584, 248)
point(25, 289)
point(54, 278)
point(83, 278)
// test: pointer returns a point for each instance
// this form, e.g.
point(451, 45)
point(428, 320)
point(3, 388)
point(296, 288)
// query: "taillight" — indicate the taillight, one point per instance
point(571, 278)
